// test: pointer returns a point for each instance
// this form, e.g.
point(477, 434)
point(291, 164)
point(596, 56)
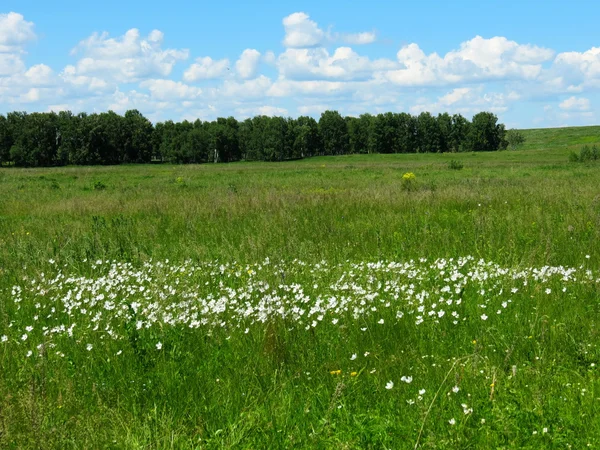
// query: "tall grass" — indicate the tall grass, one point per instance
point(514, 376)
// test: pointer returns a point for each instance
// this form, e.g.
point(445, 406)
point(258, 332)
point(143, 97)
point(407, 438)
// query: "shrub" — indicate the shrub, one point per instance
point(99, 186)
point(455, 165)
point(514, 138)
point(586, 154)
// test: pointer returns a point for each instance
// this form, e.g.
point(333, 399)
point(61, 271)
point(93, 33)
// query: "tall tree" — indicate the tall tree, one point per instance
point(306, 137)
point(137, 131)
point(334, 133)
point(444, 122)
point(5, 140)
point(459, 133)
point(486, 134)
point(36, 141)
point(407, 133)
point(428, 133)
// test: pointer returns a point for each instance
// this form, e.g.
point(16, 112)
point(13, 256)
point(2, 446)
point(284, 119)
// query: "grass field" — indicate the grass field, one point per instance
point(309, 304)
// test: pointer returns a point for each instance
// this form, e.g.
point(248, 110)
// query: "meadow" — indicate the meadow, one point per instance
point(320, 303)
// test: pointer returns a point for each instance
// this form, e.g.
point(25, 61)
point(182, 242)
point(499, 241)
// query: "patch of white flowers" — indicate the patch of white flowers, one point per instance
point(118, 298)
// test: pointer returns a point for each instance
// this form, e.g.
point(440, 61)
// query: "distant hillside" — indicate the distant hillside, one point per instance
point(555, 138)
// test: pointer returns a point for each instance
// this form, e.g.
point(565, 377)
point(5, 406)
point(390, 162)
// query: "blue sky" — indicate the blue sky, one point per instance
point(535, 64)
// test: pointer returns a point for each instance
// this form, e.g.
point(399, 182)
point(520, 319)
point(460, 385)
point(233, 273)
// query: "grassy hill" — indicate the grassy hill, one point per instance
point(568, 138)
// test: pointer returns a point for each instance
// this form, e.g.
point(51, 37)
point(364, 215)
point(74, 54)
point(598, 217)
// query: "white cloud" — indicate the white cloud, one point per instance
point(466, 101)
point(170, 90)
point(15, 32)
point(11, 64)
point(247, 89)
point(575, 104)
point(313, 110)
point(301, 32)
point(247, 65)
point(58, 108)
point(266, 110)
point(317, 63)
point(206, 68)
point(478, 59)
point(367, 37)
point(288, 88)
point(85, 83)
point(577, 71)
point(125, 59)
point(39, 75)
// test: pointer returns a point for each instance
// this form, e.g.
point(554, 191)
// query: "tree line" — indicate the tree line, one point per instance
point(64, 138)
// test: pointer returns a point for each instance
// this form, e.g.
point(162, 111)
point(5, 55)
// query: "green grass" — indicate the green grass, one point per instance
point(216, 386)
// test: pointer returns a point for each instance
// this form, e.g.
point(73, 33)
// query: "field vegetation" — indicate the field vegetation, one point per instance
point(358, 301)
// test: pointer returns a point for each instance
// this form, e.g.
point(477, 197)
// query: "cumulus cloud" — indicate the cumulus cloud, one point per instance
point(301, 32)
point(247, 89)
point(15, 32)
point(82, 83)
point(39, 75)
point(575, 104)
point(247, 65)
point(465, 100)
point(11, 64)
point(478, 59)
point(206, 69)
point(161, 89)
point(313, 110)
point(128, 58)
point(287, 88)
point(577, 70)
point(317, 63)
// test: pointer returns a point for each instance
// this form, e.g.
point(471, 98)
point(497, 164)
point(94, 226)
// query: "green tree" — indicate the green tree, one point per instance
point(224, 140)
point(444, 122)
point(486, 134)
point(334, 133)
point(459, 133)
point(407, 133)
point(6, 141)
point(359, 133)
point(306, 138)
point(36, 138)
point(428, 134)
point(137, 131)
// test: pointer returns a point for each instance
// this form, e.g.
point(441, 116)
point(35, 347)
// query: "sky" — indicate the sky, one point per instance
point(535, 64)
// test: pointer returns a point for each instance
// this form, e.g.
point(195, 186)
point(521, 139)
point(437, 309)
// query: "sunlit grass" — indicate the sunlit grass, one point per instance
point(308, 304)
